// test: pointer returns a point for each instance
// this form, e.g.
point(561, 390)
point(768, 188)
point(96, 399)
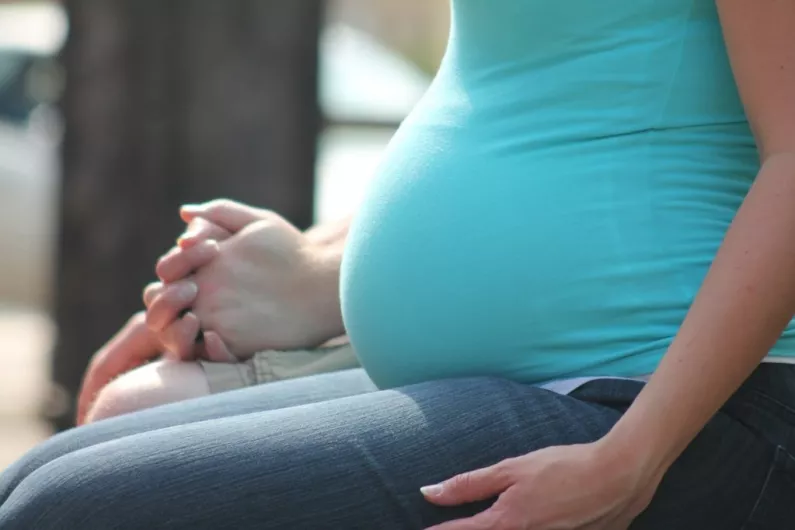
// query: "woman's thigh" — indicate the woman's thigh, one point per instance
point(358, 462)
point(254, 399)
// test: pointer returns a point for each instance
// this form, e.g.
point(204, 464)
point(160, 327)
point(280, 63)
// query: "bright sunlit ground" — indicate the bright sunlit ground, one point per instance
point(25, 340)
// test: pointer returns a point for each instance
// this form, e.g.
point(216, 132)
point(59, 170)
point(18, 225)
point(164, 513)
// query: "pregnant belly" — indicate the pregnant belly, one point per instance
point(461, 264)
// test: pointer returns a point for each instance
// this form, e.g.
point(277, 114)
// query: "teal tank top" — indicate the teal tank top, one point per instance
point(552, 205)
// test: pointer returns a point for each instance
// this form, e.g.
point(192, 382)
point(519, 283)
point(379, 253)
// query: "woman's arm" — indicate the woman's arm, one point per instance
point(740, 312)
point(748, 297)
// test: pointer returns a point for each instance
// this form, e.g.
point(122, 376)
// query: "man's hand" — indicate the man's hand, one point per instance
point(266, 287)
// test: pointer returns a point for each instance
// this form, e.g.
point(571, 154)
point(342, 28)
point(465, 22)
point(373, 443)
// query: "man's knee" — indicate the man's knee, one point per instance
point(155, 384)
point(118, 398)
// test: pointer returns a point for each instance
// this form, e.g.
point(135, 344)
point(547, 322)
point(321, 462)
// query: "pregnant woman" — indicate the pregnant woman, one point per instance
point(571, 281)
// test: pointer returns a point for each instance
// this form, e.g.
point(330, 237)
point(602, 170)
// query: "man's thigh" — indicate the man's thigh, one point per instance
point(272, 365)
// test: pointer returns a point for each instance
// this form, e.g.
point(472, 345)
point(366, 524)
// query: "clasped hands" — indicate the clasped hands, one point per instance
point(243, 280)
point(240, 278)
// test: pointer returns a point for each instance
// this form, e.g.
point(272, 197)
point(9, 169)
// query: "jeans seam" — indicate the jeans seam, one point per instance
point(789, 410)
point(763, 490)
point(786, 463)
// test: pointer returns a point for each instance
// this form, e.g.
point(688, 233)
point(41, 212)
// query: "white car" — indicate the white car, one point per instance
point(360, 81)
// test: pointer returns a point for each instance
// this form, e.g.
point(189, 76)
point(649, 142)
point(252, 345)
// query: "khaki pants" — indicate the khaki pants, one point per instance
point(269, 366)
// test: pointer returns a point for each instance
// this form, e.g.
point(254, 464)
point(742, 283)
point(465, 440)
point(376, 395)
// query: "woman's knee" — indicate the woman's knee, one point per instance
point(59, 495)
point(154, 384)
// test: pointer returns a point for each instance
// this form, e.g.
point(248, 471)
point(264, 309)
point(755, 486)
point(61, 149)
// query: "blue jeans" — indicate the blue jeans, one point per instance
point(332, 452)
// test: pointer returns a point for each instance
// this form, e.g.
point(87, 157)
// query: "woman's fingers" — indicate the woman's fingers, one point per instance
point(180, 263)
point(472, 486)
point(167, 306)
point(152, 291)
point(132, 346)
point(179, 338)
point(200, 230)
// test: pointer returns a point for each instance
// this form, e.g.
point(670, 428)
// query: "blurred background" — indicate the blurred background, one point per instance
point(115, 112)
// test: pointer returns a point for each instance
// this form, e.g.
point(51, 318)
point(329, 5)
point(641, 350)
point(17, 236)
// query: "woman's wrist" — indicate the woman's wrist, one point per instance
point(639, 444)
point(631, 451)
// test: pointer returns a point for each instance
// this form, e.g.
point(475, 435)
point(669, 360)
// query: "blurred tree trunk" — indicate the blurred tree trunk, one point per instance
point(167, 103)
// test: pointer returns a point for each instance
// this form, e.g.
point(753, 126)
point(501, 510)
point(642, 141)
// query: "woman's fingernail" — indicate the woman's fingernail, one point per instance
point(191, 208)
point(189, 289)
point(432, 491)
point(190, 234)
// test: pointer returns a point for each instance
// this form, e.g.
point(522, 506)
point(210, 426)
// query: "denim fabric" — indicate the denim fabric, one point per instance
point(241, 461)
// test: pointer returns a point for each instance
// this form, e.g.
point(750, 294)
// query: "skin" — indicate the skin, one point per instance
point(133, 346)
point(269, 286)
point(126, 375)
point(744, 305)
point(148, 386)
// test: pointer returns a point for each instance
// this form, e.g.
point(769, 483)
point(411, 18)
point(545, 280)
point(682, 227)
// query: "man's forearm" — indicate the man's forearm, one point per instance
point(745, 303)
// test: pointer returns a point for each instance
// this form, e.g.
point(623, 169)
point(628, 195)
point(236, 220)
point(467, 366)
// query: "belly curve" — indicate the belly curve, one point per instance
point(461, 263)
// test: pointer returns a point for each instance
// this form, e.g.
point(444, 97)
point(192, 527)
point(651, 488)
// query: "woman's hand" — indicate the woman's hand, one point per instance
point(582, 487)
point(135, 344)
point(178, 333)
point(266, 287)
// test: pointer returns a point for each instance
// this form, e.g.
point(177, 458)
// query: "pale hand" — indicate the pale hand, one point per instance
point(135, 344)
point(266, 287)
point(576, 487)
